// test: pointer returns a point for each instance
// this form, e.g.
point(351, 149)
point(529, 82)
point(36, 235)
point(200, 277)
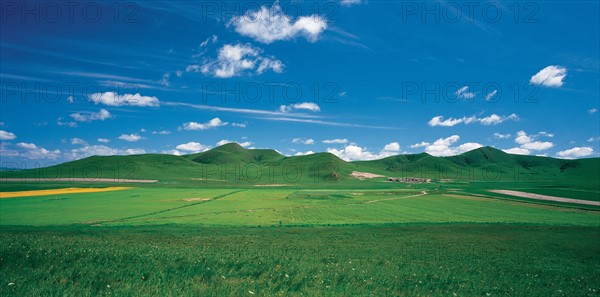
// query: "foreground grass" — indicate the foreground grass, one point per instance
point(400, 260)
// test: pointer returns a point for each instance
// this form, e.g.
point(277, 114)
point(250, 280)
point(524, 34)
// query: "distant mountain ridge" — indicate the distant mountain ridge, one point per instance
point(233, 163)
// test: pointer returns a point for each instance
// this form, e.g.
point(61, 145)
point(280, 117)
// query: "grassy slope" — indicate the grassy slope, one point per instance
point(231, 165)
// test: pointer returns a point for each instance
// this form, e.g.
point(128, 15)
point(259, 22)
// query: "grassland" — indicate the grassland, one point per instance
point(406, 260)
point(203, 230)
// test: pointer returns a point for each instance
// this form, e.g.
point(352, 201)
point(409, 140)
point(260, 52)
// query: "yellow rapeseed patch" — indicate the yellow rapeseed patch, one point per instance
point(58, 191)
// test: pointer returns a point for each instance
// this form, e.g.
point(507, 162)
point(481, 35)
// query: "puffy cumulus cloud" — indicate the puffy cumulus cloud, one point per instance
point(304, 153)
point(310, 106)
point(303, 141)
point(529, 143)
point(192, 147)
point(446, 146)
point(114, 99)
point(576, 152)
point(517, 151)
point(551, 76)
point(354, 152)
point(242, 144)
point(214, 123)
point(130, 137)
point(592, 111)
point(104, 140)
point(463, 93)
point(100, 150)
point(34, 152)
point(161, 132)
point(493, 119)
point(5, 135)
point(237, 59)
point(336, 140)
point(420, 144)
point(267, 25)
point(101, 115)
point(392, 147)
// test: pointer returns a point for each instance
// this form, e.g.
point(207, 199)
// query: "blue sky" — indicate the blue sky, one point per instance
point(360, 79)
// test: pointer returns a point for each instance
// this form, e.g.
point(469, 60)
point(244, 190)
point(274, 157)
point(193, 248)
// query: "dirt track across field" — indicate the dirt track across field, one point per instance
point(545, 197)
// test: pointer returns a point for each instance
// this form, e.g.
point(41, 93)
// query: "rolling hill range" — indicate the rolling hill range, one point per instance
point(233, 163)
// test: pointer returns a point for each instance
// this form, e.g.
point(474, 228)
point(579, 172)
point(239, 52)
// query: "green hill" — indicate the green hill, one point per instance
point(233, 163)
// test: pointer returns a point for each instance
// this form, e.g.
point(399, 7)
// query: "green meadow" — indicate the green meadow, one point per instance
point(202, 230)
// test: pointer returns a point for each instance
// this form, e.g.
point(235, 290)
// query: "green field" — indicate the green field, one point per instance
point(325, 233)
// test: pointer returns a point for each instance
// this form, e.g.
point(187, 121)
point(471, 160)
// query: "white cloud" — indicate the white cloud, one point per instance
point(165, 80)
point(537, 145)
point(268, 25)
point(444, 146)
point(60, 122)
point(304, 153)
point(493, 119)
point(501, 136)
point(193, 147)
point(310, 106)
point(551, 76)
point(32, 151)
point(101, 115)
point(114, 99)
point(70, 99)
point(463, 93)
point(237, 59)
point(528, 143)
point(421, 144)
point(100, 150)
point(214, 123)
point(104, 140)
point(193, 68)
point(491, 95)
point(162, 132)
point(130, 137)
point(303, 141)
point(78, 141)
point(208, 40)
point(179, 73)
point(576, 152)
point(592, 139)
point(243, 144)
point(354, 152)
point(5, 135)
point(239, 125)
point(592, 111)
point(392, 147)
point(349, 2)
point(517, 151)
point(337, 140)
